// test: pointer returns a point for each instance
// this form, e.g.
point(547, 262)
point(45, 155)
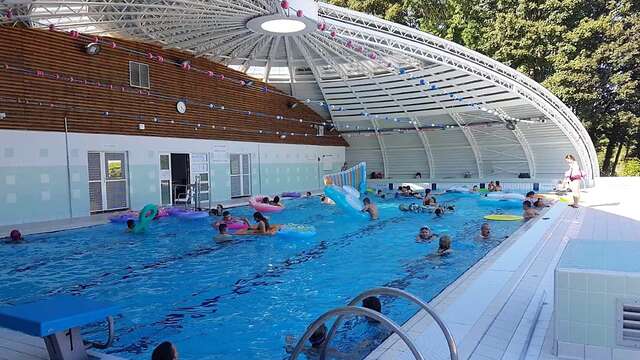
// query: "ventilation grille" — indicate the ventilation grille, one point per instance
point(628, 329)
point(139, 75)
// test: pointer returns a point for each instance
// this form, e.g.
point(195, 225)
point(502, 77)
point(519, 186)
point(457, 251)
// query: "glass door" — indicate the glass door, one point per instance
point(240, 175)
point(108, 181)
point(166, 195)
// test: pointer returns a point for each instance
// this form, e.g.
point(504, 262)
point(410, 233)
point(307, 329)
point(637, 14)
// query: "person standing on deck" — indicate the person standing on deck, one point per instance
point(573, 176)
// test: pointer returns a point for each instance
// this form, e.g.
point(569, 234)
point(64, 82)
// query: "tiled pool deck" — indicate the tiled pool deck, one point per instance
point(501, 308)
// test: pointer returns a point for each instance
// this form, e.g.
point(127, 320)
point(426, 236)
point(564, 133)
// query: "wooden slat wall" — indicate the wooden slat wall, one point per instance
point(56, 52)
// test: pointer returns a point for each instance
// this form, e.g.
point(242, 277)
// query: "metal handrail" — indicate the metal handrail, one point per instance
point(453, 349)
point(353, 310)
point(110, 337)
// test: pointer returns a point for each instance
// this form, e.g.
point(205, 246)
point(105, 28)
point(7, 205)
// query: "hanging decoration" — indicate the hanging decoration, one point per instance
point(154, 119)
point(103, 84)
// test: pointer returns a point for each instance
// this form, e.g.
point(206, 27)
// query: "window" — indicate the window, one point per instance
point(279, 73)
point(139, 75)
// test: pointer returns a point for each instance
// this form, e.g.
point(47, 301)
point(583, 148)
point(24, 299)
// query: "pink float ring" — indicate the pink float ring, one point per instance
point(266, 208)
point(162, 212)
point(236, 225)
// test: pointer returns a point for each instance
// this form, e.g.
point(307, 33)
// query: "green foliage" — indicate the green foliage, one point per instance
point(587, 52)
point(631, 168)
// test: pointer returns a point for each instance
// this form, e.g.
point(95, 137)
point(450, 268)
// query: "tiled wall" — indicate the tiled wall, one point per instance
point(35, 179)
point(585, 313)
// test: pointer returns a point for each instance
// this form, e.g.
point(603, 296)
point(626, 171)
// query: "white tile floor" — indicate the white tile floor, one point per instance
point(502, 308)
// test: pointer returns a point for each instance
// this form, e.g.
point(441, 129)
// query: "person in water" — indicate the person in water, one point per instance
point(217, 211)
point(444, 246)
point(498, 187)
point(223, 236)
point(425, 235)
point(131, 224)
point(370, 208)
point(276, 201)
point(308, 194)
point(528, 211)
point(439, 211)
point(492, 186)
point(262, 224)
point(265, 200)
point(485, 231)
point(15, 236)
point(165, 351)
point(227, 219)
point(474, 188)
point(326, 200)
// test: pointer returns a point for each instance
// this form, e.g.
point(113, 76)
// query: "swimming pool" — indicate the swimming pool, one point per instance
point(241, 299)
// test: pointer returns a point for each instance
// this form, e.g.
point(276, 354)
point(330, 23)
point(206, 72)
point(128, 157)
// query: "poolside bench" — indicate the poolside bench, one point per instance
point(58, 321)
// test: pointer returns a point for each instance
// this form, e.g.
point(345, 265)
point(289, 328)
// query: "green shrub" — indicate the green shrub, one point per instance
point(631, 168)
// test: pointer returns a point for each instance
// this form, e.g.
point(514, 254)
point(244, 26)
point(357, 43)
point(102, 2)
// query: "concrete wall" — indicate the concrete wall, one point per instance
point(35, 184)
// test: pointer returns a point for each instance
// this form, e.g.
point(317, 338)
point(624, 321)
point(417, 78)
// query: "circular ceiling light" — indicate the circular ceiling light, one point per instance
point(283, 26)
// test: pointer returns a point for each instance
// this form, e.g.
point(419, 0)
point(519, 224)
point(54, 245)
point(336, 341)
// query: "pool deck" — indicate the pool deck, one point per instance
point(502, 308)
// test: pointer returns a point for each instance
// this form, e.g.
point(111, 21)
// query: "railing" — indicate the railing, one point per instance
point(110, 337)
point(355, 177)
point(352, 309)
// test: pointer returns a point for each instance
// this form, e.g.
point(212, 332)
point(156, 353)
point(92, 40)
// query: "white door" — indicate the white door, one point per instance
point(240, 174)
point(200, 178)
point(166, 195)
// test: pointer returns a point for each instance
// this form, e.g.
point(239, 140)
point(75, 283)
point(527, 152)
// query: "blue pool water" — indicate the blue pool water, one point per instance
point(241, 299)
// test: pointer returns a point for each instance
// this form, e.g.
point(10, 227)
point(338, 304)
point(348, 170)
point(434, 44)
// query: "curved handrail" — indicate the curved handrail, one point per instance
point(355, 311)
point(453, 349)
point(110, 337)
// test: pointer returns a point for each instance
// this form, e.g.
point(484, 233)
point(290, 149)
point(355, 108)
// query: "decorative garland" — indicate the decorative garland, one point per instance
point(130, 90)
point(154, 119)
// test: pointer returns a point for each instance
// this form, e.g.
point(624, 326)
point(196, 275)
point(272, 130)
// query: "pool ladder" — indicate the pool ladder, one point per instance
point(353, 309)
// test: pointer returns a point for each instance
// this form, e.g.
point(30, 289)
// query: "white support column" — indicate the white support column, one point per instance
point(472, 141)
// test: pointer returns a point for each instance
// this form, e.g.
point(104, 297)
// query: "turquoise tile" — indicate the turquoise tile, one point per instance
point(562, 330)
point(562, 304)
point(596, 308)
point(615, 284)
point(562, 280)
point(632, 286)
point(577, 306)
point(596, 283)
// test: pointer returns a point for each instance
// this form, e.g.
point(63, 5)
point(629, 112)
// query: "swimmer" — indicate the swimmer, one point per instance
point(485, 231)
point(326, 200)
point(265, 200)
point(131, 224)
point(227, 218)
point(372, 303)
point(444, 246)
point(474, 188)
point(529, 212)
point(15, 236)
point(370, 208)
point(439, 211)
point(308, 194)
point(223, 236)
point(165, 351)
point(531, 196)
point(217, 211)
point(492, 186)
point(379, 193)
point(425, 235)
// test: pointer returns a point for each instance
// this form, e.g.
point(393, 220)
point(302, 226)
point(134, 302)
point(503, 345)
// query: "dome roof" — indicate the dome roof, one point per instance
point(406, 101)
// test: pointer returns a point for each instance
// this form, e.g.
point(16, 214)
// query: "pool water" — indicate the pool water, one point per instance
point(240, 300)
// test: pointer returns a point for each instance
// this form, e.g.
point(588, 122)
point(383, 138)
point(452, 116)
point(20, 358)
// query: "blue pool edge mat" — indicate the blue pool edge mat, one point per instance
point(55, 314)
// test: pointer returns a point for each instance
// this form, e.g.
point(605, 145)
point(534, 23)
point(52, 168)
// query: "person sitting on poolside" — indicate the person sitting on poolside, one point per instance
point(165, 351)
point(444, 246)
point(15, 236)
point(131, 224)
point(223, 236)
point(425, 235)
point(370, 208)
point(529, 211)
point(276, 201)
point(498, 187)
point(485, 231)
